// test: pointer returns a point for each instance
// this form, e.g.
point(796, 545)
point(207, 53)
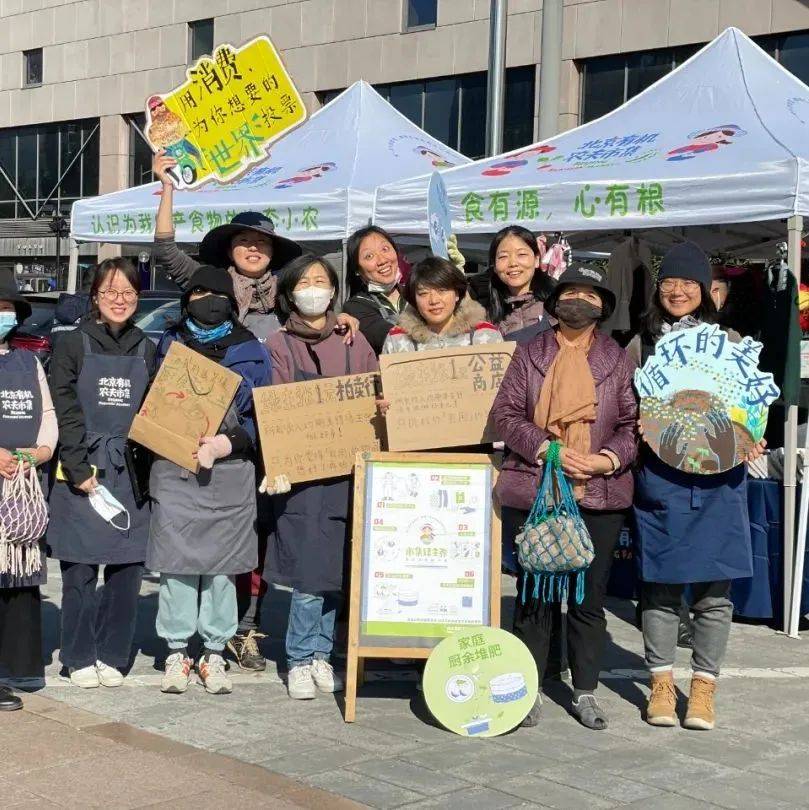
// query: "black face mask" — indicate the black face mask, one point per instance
point(577, 314)
point(212, 310)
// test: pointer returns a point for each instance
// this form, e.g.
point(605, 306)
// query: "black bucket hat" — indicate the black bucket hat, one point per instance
point(214, 247)
point(214, 279)
point(9, 292)
point(591, 276)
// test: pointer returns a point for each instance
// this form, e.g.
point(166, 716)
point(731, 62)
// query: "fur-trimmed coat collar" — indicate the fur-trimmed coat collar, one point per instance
point(468, 315)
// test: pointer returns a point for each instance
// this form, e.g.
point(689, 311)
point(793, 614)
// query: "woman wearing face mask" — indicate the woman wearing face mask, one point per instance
point(377, 297)
point(98, 374)
point(311, 518)
point(27, 424)
point(571, 384)
point(203, 530)
point(439, 313)
point(692, 530)
point(517, 287)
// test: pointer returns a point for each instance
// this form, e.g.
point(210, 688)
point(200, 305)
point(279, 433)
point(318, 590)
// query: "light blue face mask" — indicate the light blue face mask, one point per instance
point(8, 320)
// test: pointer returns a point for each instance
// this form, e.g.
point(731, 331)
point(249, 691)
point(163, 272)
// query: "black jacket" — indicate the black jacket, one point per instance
point(63, 376)
point(376, 314)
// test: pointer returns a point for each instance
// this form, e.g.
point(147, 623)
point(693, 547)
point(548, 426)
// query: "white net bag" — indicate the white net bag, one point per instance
point(23, 520)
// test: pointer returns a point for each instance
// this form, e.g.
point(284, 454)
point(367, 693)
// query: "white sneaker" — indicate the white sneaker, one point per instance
point(85, 678)
point(324, 677)
point(214, 676)
point(300, 684)
point(108, 676)
point(177, 674)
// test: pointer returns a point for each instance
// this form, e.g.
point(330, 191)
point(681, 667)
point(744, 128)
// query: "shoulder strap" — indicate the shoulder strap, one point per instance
point(85, 342)
point(142, 348)
point(348, 358)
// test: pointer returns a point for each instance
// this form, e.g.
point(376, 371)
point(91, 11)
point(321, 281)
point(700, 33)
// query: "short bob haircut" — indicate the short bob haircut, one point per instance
point(656, 315)
point(289, 277)
point(542, 284)
point(105, 272)
point(355, 281)
point(436, 273)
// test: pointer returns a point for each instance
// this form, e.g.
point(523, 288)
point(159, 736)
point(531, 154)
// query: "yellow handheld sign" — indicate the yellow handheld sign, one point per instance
point(220, 121)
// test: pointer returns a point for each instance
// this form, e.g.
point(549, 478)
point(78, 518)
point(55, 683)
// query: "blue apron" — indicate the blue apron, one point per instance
point(20, 420)
point(691, 528)
point(110, 389)
point(308, 552)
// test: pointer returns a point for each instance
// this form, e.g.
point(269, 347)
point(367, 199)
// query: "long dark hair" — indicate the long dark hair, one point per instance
point(289, 277)
point(656, 315)
point(355, 280)
point(541, 285)
point(106, 270)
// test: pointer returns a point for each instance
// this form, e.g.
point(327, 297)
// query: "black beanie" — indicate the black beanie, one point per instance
point(213, 279)
point(686, 260)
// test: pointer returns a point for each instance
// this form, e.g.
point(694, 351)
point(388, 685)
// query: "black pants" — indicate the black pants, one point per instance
point(21, 633)
point(586, 623)
point(99, 626)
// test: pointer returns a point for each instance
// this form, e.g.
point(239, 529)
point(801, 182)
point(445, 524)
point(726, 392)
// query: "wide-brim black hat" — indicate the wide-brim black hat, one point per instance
point(587, 274)
point(9, 292)
point(215, 247)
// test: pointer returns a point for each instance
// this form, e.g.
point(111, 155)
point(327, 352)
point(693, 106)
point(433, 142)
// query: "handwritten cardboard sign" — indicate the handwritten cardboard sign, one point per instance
point(189, 398)
point(220, 120)
point(704, 401)
point(443, 398)
point(313, 430)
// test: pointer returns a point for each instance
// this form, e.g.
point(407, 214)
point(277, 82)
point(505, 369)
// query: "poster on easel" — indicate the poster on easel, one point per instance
point(425, 560)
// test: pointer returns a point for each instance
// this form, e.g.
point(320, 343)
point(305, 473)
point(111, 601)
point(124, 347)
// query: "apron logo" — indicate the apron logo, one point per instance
point(115, 391)
point(17, 404)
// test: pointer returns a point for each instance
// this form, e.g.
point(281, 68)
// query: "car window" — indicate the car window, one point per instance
point(159, 319)
point(151, 303)
point(40, 321)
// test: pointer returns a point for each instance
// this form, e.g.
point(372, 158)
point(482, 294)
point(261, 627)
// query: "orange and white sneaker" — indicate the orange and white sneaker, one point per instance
point(213, 674)
point(177, 674)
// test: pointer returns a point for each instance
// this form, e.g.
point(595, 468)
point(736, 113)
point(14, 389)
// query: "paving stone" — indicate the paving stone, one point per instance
point(552, 794)
point(677, 769)
point(473, 799)
point(405, 774)
point(365, 789)
point(321, 757)
point(593, 779)
point(669, 801)
point(729, 793)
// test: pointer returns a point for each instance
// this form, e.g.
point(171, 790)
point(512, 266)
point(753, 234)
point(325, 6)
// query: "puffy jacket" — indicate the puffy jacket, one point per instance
point(613, 429)
point(522, 311)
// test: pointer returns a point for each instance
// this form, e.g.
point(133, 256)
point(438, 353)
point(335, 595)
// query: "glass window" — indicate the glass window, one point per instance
point(140, 153)
point(441, 109)
point(421, 13)
point(69, 147)
point(794, 54)
point(644, 69)
point(27, 165)
point(48, 163)
point(91, 136)
point(32, 67)
point(604, 86)
point(518, 119)
point(407, 98)
point(473, 115)
point(200, 39)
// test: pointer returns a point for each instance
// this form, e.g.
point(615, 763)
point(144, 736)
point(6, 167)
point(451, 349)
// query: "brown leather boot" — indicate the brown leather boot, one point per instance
point(661, 710)
point(701, 715)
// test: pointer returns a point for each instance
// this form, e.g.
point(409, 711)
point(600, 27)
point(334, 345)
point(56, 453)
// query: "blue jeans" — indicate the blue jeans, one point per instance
point(310, 630)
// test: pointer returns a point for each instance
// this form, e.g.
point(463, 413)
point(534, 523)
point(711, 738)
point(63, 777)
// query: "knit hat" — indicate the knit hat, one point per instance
point(587, 274)
point(213, 279)
point(686, 260)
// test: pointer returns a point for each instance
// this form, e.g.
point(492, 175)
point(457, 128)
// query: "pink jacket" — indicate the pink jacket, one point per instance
point(613, 429)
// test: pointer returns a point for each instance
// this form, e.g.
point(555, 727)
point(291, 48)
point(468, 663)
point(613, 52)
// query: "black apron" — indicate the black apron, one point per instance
point(311, 534)
point(110, 389)
point(20, 420)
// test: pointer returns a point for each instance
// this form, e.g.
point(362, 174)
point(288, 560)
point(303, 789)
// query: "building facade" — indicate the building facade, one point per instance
point(74, 75)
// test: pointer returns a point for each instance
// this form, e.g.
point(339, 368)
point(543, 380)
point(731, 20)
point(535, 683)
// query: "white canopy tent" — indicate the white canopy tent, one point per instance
point(721, 140)
point(316, 184)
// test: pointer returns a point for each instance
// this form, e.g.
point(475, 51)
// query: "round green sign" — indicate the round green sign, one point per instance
point(480, 682)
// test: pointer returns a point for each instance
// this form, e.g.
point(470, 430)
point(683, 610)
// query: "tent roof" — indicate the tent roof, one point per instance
point(317, 183)
point(724, 138)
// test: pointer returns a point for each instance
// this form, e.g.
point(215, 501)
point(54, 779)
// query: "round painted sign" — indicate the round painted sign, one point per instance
point(480, 682)
point(439, 216)
point(703, 400)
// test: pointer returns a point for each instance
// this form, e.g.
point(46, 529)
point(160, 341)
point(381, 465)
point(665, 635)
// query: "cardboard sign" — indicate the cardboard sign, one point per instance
point(220, 121)
point(438, 215)
point(425, 558)
point(443, 398)
point(314, 430)
point(481, 682)
point(189, 398)
point(704, 402)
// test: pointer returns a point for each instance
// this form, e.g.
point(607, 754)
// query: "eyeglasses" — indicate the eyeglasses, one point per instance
point(670, 284)
point(128, 296)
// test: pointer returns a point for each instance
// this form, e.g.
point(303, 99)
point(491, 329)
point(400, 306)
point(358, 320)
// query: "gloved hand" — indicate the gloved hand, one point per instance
point(279, 486)
point(212, 448)
point(455, 255)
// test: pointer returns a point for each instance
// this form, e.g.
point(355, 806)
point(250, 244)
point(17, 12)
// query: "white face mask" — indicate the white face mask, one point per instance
point(313, 300)
point(108, 506)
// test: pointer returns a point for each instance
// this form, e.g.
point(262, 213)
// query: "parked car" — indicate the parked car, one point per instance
point(157, 320)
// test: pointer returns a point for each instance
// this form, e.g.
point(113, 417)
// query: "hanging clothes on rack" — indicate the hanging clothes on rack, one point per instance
point(556, 258)
point(629, 274)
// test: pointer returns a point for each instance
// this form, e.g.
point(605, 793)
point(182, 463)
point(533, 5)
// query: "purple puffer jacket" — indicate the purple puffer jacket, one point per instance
point(613, 429)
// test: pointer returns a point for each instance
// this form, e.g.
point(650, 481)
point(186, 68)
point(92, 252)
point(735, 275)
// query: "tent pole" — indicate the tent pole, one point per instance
point(795, 228)
point(344, 274)
point(800, 546)
point(73, 267)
